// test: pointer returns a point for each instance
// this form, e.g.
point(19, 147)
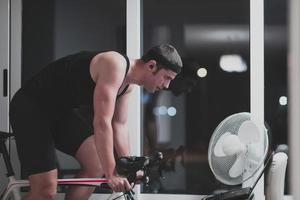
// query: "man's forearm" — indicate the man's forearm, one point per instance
point(104, 145)
point(121, 139)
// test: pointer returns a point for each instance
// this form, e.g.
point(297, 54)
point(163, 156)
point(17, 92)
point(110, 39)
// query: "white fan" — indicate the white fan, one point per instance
point(237, 148)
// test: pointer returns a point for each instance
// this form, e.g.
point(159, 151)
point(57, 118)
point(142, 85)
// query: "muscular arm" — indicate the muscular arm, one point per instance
point(108, 81)
point(120, 127)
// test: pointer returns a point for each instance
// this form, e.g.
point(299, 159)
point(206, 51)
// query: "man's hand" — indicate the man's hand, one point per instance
point(139, 176)
point(119, 184)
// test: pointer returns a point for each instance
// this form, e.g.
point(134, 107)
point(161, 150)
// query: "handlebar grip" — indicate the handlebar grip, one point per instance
point(129, 166)
point(156, 158)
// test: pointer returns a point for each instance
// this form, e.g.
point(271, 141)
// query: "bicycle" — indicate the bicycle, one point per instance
point(126, 166)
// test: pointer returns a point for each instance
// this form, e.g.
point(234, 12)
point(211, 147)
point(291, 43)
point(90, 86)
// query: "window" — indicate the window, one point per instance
point(180, 126)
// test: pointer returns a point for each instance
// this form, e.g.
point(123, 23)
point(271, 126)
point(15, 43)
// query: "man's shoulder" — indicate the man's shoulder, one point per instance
point(113, 59)
point(110, 64)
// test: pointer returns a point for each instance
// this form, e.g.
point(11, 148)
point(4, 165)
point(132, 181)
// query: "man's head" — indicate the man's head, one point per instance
point(164, 63)
point(166, 57)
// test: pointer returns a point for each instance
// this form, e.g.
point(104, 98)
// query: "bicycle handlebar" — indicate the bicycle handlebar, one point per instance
point(128, 166)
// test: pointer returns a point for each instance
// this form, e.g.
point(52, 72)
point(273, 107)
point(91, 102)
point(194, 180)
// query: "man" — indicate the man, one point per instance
point(43, 114)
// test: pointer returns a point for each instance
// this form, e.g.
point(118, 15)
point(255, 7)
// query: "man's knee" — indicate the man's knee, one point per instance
point(45, 189)
point(92, 172)
point(44, 185)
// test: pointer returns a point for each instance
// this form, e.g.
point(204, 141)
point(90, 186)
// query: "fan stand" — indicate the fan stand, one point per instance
point(235, 194)
point(240, 193)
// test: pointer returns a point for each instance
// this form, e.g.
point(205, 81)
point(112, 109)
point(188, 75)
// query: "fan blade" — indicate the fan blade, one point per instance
point(232, 145)
point(238, 167)
point(248, 132)
point(255, 154)
point(218, 150)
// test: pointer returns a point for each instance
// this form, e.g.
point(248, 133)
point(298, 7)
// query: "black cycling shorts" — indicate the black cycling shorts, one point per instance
point(38, 134)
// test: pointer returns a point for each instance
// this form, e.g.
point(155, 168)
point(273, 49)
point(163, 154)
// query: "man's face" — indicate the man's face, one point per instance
point(159, 79)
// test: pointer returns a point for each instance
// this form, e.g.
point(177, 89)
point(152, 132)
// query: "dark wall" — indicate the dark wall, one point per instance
point(96, 25)
point(55, 28)
point(37, 36)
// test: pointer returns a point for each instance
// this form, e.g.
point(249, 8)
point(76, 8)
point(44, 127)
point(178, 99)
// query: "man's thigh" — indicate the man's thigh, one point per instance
point(73, 129)
point(34, 140)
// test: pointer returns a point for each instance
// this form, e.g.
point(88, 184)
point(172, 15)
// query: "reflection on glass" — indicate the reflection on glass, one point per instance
point(180, 121)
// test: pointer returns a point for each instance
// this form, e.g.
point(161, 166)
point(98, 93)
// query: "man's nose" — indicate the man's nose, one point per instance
point(167, 83)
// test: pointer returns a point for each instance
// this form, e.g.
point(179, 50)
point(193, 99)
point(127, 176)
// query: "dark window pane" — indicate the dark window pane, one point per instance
point(202, 31)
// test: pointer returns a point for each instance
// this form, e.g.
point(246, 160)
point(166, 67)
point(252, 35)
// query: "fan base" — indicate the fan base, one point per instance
point(236, 194)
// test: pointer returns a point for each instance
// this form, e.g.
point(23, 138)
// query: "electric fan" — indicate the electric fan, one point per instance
point(237, 150)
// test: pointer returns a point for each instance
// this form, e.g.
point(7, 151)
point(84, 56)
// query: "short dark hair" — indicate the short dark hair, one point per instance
point(165, 55)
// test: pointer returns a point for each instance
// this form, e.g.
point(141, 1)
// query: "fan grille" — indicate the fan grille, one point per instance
point(220, 166)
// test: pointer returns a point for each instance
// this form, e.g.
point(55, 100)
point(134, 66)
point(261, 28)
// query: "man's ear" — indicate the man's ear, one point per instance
point(152, 65)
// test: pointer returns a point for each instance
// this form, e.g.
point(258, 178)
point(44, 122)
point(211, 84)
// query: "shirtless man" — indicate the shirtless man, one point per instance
point(43, 114)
